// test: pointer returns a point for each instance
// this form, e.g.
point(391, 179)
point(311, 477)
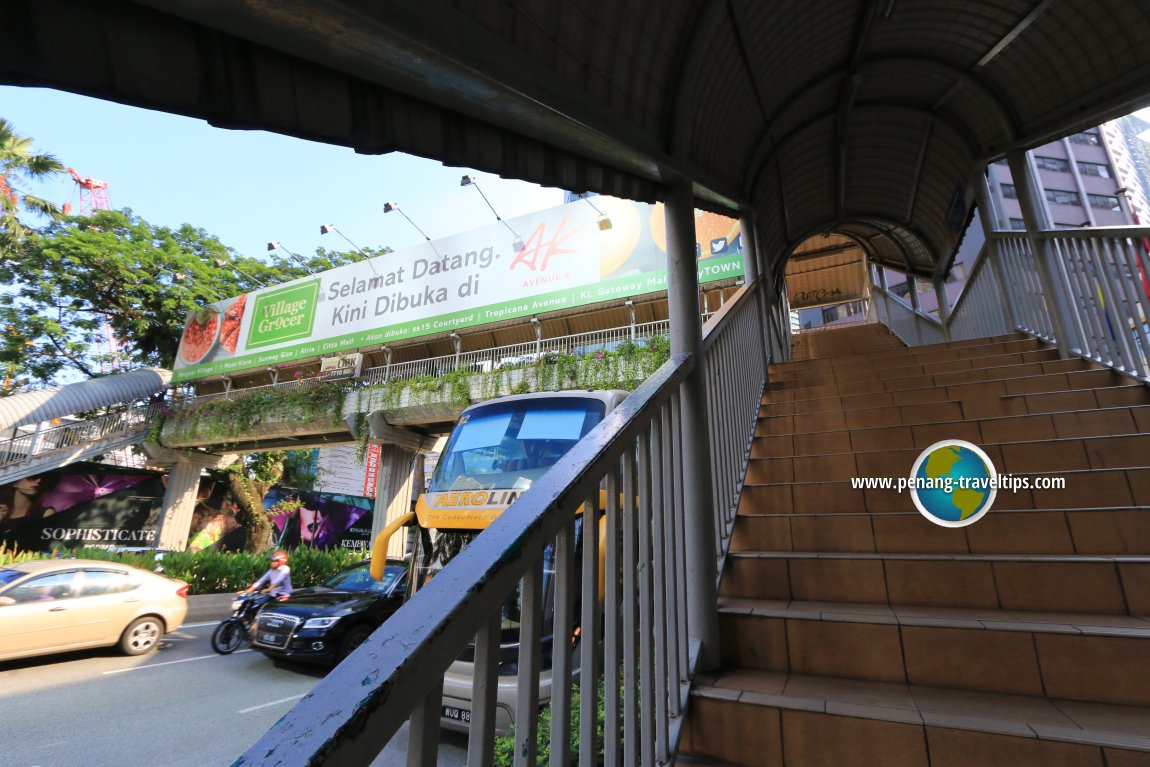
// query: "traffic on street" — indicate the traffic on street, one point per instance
point(181, 705)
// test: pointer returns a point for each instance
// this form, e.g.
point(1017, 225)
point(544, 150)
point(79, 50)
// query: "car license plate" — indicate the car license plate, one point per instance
point(270, 637)
point(458, 714)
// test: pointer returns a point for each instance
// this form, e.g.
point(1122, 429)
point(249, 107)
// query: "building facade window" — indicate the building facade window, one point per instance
point(1017, 224)
point(1104, 202)
point(1009, 191)
point(1063, 197)
point(1085, 137)
point(1052, 163)
point(1102, 170)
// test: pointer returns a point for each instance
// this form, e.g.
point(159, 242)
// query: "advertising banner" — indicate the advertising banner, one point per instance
point(97, 506)
point(341, 469)
point(556, 259)
point(88, 506)
point(322, 520)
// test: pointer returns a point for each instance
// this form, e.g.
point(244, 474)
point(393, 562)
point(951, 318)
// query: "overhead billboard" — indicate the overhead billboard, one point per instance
point(556, 259)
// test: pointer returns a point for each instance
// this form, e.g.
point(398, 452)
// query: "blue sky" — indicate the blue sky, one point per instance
point(250, 187)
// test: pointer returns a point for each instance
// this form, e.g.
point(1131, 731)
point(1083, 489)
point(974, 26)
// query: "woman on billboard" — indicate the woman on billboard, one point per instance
point(22, 501)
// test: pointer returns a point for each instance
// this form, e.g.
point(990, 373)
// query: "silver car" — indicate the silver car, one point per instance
point(59, 605)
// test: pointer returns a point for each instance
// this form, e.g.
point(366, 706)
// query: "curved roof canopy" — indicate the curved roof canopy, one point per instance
point(863, 117)
point(59, 401)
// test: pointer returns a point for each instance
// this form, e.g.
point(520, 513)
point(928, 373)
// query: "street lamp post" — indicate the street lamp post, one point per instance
point(388, 207)
point(517, 243)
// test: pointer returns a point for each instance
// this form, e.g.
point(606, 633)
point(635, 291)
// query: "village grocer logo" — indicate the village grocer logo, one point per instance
point(285, 314)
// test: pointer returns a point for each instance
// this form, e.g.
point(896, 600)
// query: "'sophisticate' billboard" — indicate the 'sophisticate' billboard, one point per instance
point(552, 260)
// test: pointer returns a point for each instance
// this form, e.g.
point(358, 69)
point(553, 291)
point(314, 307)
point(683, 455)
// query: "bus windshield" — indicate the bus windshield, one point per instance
point(508, 445)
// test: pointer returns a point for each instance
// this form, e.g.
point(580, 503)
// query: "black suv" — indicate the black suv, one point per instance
point(324, 623)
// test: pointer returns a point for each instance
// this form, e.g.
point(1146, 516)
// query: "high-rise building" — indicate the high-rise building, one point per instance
point(1090, 178)
point(1128, 139)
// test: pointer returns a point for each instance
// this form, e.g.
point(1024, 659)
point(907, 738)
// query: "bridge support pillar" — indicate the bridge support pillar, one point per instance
point(179, 504)
point(397, 485)
point(180, 494)
point(698, 500)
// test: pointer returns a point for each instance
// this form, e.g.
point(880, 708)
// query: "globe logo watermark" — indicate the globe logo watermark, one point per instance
point(953, 483)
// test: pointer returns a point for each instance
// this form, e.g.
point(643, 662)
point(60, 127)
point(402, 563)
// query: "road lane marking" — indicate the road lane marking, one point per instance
point(167, 663)
point(273, 703)
point(198, 625)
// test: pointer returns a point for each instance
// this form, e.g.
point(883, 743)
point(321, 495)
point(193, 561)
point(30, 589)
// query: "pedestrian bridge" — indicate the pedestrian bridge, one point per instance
point(406, 403)
point(44, 432)
point(870, 120)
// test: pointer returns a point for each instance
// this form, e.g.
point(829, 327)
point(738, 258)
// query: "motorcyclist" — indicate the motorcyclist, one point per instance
point(276, 582)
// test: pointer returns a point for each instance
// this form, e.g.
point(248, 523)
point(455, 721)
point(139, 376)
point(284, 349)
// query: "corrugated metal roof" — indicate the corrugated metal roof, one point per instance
point(59, 401)
point(827, 269)
point(864, 118)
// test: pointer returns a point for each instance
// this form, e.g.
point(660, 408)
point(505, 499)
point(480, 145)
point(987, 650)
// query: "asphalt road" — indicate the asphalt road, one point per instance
point(181, 706)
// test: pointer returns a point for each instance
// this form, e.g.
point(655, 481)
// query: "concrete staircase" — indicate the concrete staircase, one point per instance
point(856, 632)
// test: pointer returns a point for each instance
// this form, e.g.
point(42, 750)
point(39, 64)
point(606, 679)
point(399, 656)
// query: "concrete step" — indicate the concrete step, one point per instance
point(956, 410)
point(754, 718)
point(923, 355)
point(1038, 383)
point(823, 343)
point(832, 387)
point(858, 350)
point(906, 369)
point(1091, 489)
point(1114, 585)
point(1120, 421)
point(683, 760)
point(1048, 455)
point(856, 632)
point(1104, 659)
point(1124, 531)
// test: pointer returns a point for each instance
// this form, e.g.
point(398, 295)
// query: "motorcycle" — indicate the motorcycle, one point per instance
point(234, 631)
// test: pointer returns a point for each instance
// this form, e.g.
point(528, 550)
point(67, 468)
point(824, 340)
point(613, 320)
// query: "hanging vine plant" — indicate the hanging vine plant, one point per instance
point(625, 367)
point(229, 418)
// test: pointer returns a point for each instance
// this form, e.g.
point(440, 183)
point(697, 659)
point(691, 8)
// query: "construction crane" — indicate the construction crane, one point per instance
point(93, 194)
point(94, 197)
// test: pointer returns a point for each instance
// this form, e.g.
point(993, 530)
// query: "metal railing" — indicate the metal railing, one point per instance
point(633, 645)
point(1023, 288)
point(832, 326)
point(486, 360)
point(292, 383)
point(979, 310)
point(1104, 274)
point(914, 328)
point(1100, 278)
point(481, 360)
point(733, 395)
point(24, 448)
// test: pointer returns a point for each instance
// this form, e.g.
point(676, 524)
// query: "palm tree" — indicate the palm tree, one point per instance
point(19, 164)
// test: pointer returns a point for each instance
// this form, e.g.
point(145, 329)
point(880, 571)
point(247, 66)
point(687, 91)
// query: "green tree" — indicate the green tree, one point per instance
point(20, 164)
point(82, 276)
point(250, 480)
